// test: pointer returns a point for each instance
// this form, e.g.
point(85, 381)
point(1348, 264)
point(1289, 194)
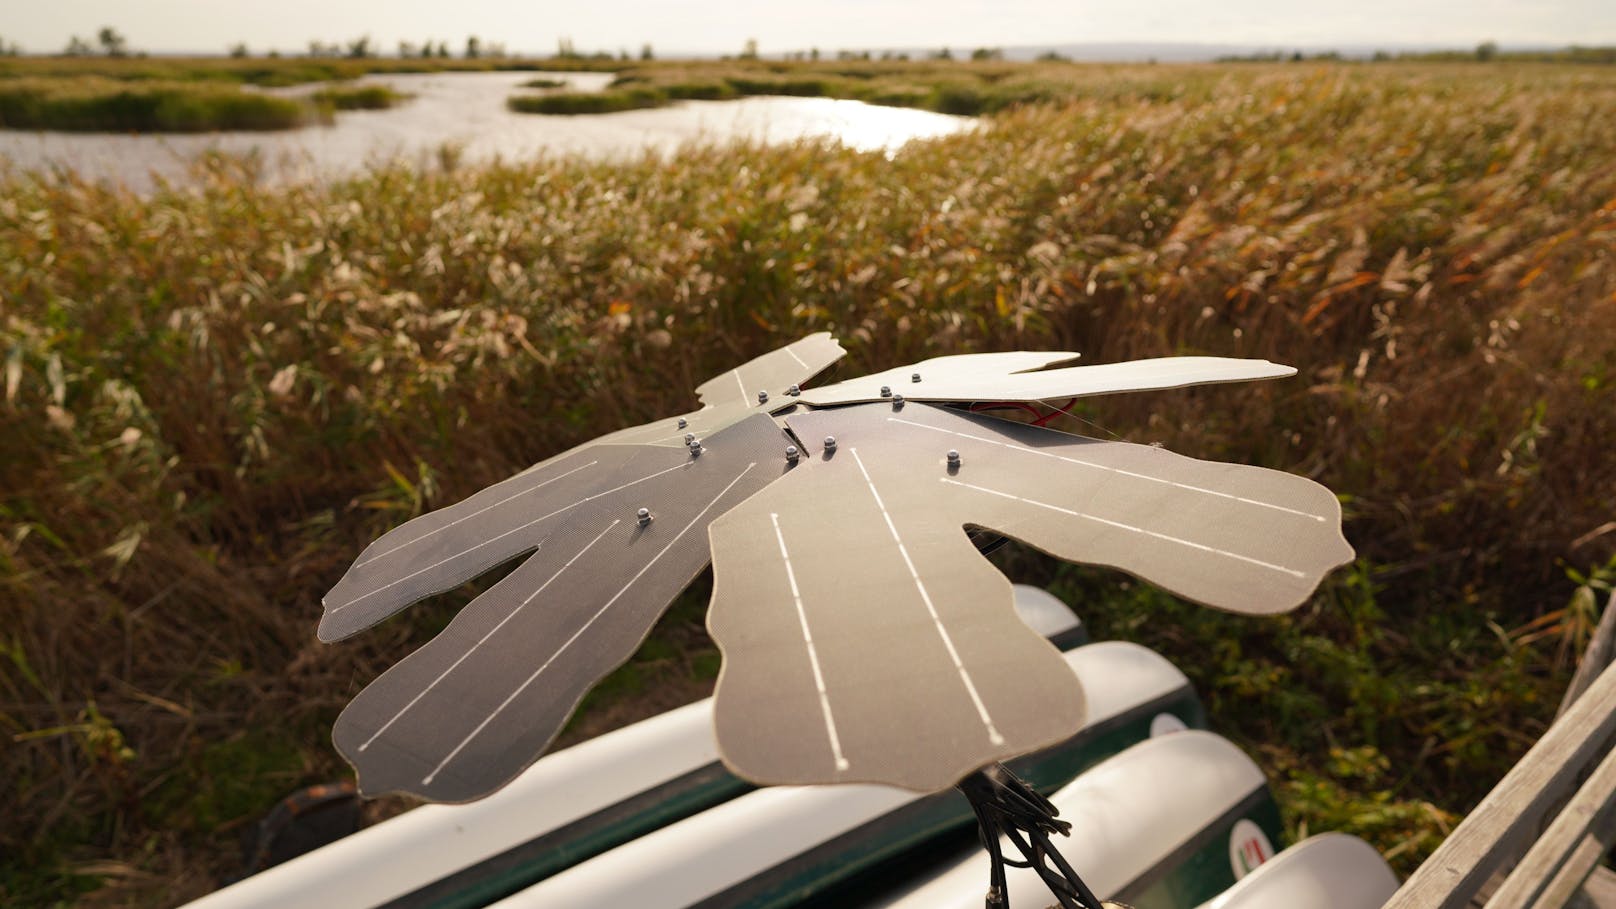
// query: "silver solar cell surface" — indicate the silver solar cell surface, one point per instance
point(466, 712)
point(864, 637)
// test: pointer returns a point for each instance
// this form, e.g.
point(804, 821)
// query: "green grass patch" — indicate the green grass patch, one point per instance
point(798, 87)
point(602, 102)
point(709, 90)
point(229, 783)
point(545, 83)
point(99, 105)
point(359, 97)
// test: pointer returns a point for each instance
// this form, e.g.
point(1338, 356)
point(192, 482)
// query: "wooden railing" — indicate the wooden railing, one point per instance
point(1548, 823)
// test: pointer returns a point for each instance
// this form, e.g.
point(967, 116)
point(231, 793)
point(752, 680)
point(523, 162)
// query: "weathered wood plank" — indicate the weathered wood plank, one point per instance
point(1598, 892)
point(1498, 830)
point(1557, 864)
point(1570, 885)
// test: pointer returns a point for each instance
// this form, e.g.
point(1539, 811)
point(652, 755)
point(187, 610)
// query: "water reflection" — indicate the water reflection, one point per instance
point(468, 110)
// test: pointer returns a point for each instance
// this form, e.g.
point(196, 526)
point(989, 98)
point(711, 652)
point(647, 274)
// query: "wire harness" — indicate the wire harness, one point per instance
point(1007, 806)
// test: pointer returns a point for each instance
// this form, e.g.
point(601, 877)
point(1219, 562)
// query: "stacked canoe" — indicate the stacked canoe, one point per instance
point(1165, 815)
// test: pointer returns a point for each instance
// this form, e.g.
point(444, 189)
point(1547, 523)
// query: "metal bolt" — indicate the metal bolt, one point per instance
point(763, 397)
point(794, 391)
point(830, 443)
point(683, 423)
point(897, 401)
point(953, 458)
point(886, 391)
point(695, 449)
point(644, 514)
point(690, 437)
point(791, 453)
point(915, 377)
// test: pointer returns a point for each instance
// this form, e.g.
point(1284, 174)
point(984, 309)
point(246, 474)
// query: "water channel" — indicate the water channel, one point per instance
point(466, 113)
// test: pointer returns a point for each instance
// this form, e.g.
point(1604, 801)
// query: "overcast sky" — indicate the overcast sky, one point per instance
point(781, 25)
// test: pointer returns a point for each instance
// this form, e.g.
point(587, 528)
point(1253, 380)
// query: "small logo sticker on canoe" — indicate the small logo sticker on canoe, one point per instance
point(1248, 848)
point(1164, 723)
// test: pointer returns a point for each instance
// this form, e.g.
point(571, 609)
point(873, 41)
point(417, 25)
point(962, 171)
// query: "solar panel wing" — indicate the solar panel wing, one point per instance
point(1023, 376)
point(773, 372)
point(864, 637)
point(465, 713)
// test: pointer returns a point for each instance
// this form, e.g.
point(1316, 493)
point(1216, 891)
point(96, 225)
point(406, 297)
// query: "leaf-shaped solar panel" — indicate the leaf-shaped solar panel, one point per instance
point(864, 637)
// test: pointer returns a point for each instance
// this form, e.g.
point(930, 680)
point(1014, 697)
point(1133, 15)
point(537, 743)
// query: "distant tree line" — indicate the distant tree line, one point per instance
point(110, 41)
point(865, 56)
point(361, 48)
point(1485, 52)
point(566, 50)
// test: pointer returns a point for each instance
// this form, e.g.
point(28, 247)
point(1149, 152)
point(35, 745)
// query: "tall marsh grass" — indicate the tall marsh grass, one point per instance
point(609, 101)
point(104, 105)
point(358, 97)
point(952, 88)
point(215, 395)
point(96, 104)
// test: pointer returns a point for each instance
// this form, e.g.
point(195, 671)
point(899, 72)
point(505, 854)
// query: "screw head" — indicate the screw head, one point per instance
point(690, 437)
point(695, 449)
point(953, 456)
point(886, 391)
point(683, 423)
point(794, 391)
point(763, 397)
point(897, 401)
point(915, 377)
point(644, 516)
point(791, 453)
point(830, 443)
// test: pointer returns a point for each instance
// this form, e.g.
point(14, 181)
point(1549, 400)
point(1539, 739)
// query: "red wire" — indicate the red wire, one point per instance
point(1059, 411)
point(1039, 417)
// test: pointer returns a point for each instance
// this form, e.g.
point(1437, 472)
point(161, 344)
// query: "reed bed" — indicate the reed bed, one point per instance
point(601, 102)
point(952, 88)
point(966, 89)
point(358, 97)
point(96, 104)
point(215, 395)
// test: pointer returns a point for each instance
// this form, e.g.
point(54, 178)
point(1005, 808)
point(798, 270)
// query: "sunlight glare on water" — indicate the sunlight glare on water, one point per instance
point(467, 111)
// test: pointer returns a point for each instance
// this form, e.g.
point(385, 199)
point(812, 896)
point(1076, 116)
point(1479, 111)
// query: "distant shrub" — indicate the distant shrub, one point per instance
point(604, 102)
point(700, 91)
point(958, 99)
point(359, 97)
point(897, 97)
point(543, 82)
point(806, 88)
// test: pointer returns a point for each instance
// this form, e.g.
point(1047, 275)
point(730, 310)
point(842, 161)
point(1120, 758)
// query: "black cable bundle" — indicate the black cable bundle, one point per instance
point(1006, 806)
